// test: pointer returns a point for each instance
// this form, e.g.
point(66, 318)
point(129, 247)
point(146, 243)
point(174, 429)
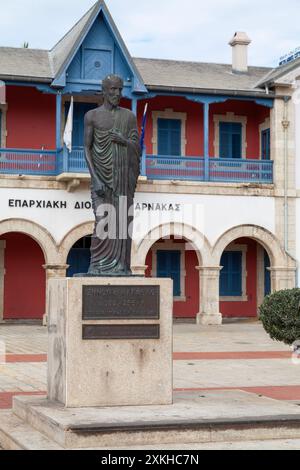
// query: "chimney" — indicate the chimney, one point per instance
point(239, 44)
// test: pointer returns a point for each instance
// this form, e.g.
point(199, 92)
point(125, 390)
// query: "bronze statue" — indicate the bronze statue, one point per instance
point(112, 153)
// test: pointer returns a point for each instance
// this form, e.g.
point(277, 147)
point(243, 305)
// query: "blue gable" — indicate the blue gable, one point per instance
point(99, 51)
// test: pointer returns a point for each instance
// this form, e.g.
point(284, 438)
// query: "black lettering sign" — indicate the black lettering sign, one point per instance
point(105, 332)
point(120, 302)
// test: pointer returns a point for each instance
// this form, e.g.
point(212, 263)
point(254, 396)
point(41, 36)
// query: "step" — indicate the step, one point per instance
point(217, 416)
point(15, 434)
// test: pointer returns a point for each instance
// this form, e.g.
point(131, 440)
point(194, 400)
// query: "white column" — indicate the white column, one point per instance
point(282, 278)
point(2, 274)
point(209, 295)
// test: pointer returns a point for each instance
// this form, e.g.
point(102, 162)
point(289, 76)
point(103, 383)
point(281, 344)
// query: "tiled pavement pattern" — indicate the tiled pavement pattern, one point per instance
point(232, 356)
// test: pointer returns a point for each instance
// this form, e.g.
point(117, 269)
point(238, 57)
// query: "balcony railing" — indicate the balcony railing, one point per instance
point(155, 167)
point(28, 162)
point(219, 169)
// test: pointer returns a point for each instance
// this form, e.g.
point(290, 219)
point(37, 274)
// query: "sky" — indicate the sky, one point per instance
point(193, 30)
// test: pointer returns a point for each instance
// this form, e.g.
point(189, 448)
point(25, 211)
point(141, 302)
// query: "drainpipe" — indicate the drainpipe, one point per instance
point(285, 124)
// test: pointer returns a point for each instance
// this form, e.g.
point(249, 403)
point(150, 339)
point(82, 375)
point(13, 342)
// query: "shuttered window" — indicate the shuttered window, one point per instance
point(230, 140)
point(168, 265)
point(169, 137)
point(231, 274)
point(267, 274)
point(266, 144)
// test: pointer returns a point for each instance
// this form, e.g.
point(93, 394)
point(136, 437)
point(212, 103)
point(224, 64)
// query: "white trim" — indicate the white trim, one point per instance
point(3, 109)
point(169, 245)
point(244, 296)
point(168, 113)
point(263, 127)
point(229, 117)
point(260, 276)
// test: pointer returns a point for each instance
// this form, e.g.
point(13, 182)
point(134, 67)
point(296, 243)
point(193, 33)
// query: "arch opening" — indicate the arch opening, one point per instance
point(22, 277)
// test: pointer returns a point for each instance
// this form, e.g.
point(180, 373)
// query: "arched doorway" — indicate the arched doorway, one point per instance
point(22, 278)
point(244, 278)
point(79, 256)
point(176, 258)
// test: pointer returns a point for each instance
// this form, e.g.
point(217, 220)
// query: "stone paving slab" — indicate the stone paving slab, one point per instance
point(193, 418)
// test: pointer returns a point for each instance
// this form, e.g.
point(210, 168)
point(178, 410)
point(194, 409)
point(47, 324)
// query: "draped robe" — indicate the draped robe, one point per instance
point(117, 166)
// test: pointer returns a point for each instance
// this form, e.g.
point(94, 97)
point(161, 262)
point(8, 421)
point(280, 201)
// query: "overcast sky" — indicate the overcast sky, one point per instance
point(169, 29)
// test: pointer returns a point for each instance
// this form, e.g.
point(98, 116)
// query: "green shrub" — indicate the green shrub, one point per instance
point(280, 315)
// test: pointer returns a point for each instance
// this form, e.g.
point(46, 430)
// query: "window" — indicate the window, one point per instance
point(1, 129)
point(265, 144)
point(169, 136)
point(231, 274)
point(267, 274)
point(230, 140)
point(168, 265)
point(79, 257)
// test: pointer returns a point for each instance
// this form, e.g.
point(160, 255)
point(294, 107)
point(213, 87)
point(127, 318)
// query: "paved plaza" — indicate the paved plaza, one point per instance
point(235, 356)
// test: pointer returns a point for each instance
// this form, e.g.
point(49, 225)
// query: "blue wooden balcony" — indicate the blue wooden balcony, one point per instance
point(155, 167)
point(28, 162)
point(219, 169)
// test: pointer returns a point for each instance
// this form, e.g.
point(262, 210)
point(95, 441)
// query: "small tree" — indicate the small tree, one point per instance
point(280, 315)
point(26, 45)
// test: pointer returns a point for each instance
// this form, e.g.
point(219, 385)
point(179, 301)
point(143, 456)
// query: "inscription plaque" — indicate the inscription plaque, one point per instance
point(90, 332)
point(120, 302)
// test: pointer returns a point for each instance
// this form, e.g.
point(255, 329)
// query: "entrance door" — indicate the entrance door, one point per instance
point(80, 109)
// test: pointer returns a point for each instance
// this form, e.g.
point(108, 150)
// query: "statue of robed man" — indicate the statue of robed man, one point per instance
point(112, 153)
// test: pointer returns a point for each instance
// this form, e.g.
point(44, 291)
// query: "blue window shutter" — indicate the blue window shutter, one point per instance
point(169, 137)
point(267, 274)
point(231, 274)
point(225, 147)
point(266, 144)
point(230, 140)
point(168, 265)
point(80, 109)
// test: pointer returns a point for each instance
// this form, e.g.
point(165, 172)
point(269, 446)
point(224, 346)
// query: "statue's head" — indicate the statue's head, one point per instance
point(112, 87)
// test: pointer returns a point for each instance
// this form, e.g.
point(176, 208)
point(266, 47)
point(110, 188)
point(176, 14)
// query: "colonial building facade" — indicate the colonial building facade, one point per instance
point(217, 205)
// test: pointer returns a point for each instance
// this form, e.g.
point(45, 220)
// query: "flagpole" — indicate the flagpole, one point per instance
point(142, 141)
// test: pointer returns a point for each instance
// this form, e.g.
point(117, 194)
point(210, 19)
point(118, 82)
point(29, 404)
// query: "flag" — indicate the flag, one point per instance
point(69, 127)
point(144, 127)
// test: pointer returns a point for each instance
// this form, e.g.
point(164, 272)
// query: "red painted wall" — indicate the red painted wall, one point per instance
point(255, 116)
point(194, 123)
point(194, 129)
point(190, 308)
point(30, 118)
point(25, 278)
point(249, 308)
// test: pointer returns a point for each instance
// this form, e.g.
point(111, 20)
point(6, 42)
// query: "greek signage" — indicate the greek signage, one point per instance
point(60, 204)
point(47, 204)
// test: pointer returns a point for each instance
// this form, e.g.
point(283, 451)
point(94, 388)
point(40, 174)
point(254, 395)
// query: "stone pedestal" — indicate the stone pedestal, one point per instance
point(102, 355)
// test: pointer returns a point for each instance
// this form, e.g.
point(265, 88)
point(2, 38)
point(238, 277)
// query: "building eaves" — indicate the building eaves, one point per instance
point(276, 73)
point(183, 75)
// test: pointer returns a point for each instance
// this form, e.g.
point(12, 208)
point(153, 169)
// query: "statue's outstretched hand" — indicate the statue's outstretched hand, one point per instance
point(118, 138)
